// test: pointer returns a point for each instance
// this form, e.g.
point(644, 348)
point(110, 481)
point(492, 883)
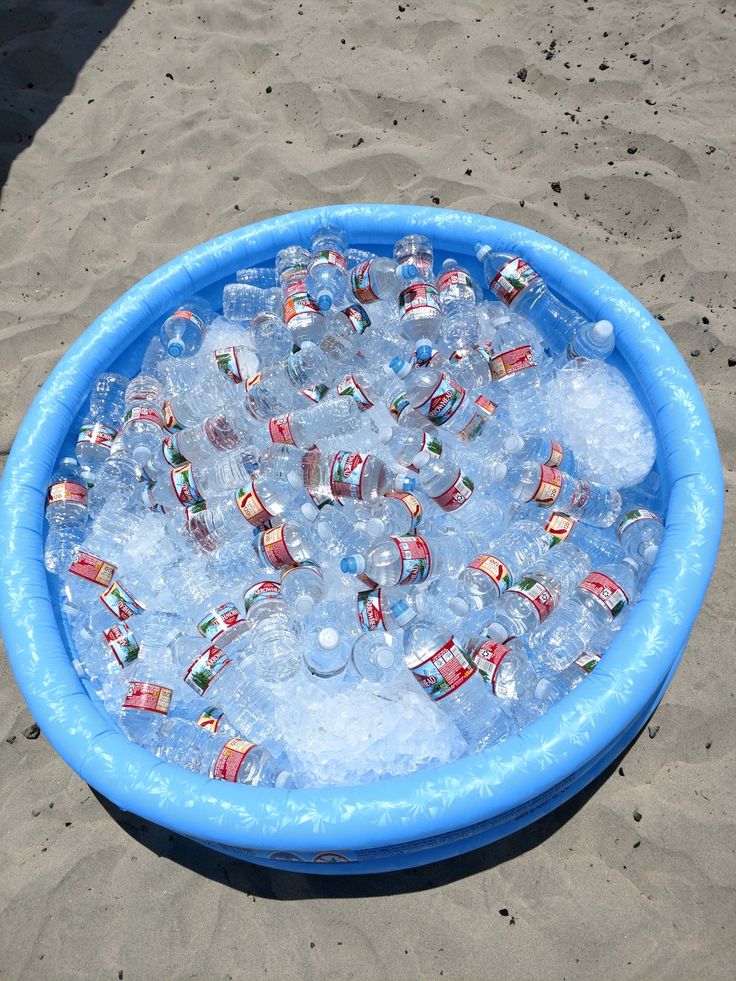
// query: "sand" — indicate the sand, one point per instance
point(138, 131)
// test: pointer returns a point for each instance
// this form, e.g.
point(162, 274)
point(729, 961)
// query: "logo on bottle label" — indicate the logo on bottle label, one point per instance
point(556, 454)
point(279, 429)
point(121, 643)
point(119, 602)
point(454, 277)
point(311, 480)
point(259, 592)
point(432, 445)
point(486, 352)
point(97, 434)
point(475, 425)
point(631, 517)
point(420, 301)
point(219, 620)
point(359, 319)
point(416, 559)
point(171, 423)
point(185, 486)
point(297, 301)
point(346, 474)
point(274, 547)
point(230, 759)
point(444, 671)
point(537, 594)
point(412, 505)
point(510, 362)
point(549, 486)
point(143, 413)
point(315, 394)
point(488, 657)
point(350, 385)
point(147, 697)
point(361, 285)
point(457, 494)
point(515, 276)
point(172, 454)
point(444, 401)
point(192, 317)
point(397, 405)
point(226, 359)
point(606, 591)
point(559, 526)
point(210, 719)
point(329, 257)
point(92, 568)
point(252, 507)
point(67, 490)
point(587, 661)
point(496, 570)
point(370, 610)
point(205, 668)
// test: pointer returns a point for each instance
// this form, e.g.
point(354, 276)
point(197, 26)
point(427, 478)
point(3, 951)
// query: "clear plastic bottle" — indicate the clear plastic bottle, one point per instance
point(406, 445)
point(66, 513)
point(490, 574)
point(471, 368)
point(382, 608)
point(415, 251)
point(590, 340)
point(397, 512)
point(277, 649)
point(117, 482)
point(378, 656)
point(548, 487)
point(379, 279)
point(331, 417)
point(242, 301)
point(143, 424)
point(271, 338)
point(328, 654)
point(300, 311)
point(640, 533)
point(537, 592)
point(400, 560)
point(302, 587)
point(475, 508)
point(600, 545)
point(460, 327)
point(360, 476)
point(327, 270)
point(186, 484)
point(261, 276)
point(515, 368)
point(103, 419)
point(448, 676)
point(284, 545)
point(184, 330)
point(510, 676)
point(541, 449)
point(597, 600)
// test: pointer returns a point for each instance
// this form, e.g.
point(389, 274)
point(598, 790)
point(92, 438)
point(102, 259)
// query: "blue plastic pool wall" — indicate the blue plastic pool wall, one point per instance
point(424, 817)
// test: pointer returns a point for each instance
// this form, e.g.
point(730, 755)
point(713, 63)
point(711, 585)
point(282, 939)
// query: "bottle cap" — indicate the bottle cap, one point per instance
point(500, 320)
point(175, 348)
point(408, 484)
point(497, 472)
point(407, 271)
point(459, 606)
point(375, 527)
point(603, 330)
point(324, 301)
point(304, 605)
point(328, 638)
point(354, 564)
point(496, 632)
point(294, 479)
point(310, 511)
point(649, 553)
point(400, 367)
point(420, 459)
point(513, 444)
point(481, 251)
point(385, 433)
point(141, 455)
point(384, 658)
point(424, 350)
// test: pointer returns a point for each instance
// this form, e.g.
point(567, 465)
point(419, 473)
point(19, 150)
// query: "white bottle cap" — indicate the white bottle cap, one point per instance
point(649, 553)
point(375, 527)
point(295, 480)
point(481, 251)
point(496, 632)
point(304, 605)
point(385, 433)
point(310, 511)
point(602, 330)
point(384, 658)
point(497, 472)
point(421, 458)
point(500, 320)
point(328, 638)
point(459, 606)
point(513, 444)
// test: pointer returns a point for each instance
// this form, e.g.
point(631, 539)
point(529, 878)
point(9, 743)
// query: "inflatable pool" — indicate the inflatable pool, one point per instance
point(435, 814)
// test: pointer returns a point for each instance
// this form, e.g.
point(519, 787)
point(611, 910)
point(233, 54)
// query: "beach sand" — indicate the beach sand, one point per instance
point(137, 132)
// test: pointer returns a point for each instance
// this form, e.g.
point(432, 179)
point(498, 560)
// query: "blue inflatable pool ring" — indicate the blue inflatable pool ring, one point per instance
point(434, 814)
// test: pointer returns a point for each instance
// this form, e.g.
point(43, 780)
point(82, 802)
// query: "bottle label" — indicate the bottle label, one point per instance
point(361, 285)
point(370, 610)
point(346, 474)
point(350, 385)
point(580, 495)
point(549, 486)
point(252, 380)
point(93, 569)
point(311, 480)
point(329, 257)
point(119, 602)
point(260, 592)
point(444, 671)
point(279, 429)
point(556, 454)
point(606, 591)
point(412, 505)
point(121, 643)
point(67, 490)
point(210, 719)
point(171, 423)
point(454, 277)
point(444, 401)
point(275, 550)
point(170, 449)
point(420, 301)
point(537, 594)
point(226, 359)
point(252, 507)
point(631, 517)
point(359, 319)
point(432, 445)
point(488, 658)
point(148, 697)
point(96, 434)
point(457, 494)
point(416, 559)
point(185, 486)
point(193, 319)
point(397, 405)
point(297, 301)
point(366, 580)
point(486, 352)
point(515, 276)
point(315, 394)
point(587, 661)
point(219, 620)
point(475, 425)
point(143, 413)
point(205, 668)
point(559, 526)
point(510, 362)
point(494, 569)
point(230, 759)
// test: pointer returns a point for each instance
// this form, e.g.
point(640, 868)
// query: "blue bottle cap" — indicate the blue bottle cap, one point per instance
point(175, 348)
point(349, 564)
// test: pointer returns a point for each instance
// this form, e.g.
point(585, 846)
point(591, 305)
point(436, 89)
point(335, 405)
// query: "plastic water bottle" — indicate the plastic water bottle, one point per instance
point(537, 593)
point(327, 269)
point(590, 340)
point(510, 676)
point(460, 327)
point(379, 279)
point(541, 449)
point(406, 445)
point(513, 281)
point(278, 460)
point(471, 368)
point(328, 654)
point(261, 276)
point(275, 643)
point(515, 371)
point(271, 338)
point(184, 330)
point(360, 476)
point(242, 301)
point(255, 505)
point(456, 493)
point(302, 587)
point(382, 608)
point(186, 484)
point(398, 512)
point(300, 311)
point(448, 676)
point(378, 656)
point(401, 560)
point(66, 513)
point(142, 433)
point(548, 487)
point(597, 600)
point(600, 545)
point(640, 533)
point(284, 545)
point(415, 251)
point(103, 419)
point(304, 427)
point(490, 574)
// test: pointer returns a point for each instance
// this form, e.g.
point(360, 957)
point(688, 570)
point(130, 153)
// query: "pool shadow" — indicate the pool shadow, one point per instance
point(266, 883)
point(43, 47)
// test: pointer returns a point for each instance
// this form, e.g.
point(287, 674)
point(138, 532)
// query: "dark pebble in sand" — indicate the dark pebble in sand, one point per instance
point(708, 745)
point(269, 90)
point(636, 844)
point(504, 912)
point(32, 731)
point(706, 320)
point(169, 75)
point(621, 772)
point(632, 149)
point(358, 142)
point(468, 172)
point(732, 362)
point(35, 813)
point(637, 815)
point(556, 186)
point(604, 66)
point(710, 149)
point(10, 740)
point(651, 102)
point(521, 74)
point(653, 730)
point(435, 200)
point(695, 353)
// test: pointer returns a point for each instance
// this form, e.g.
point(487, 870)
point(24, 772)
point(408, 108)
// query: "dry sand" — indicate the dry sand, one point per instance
point(193, 118)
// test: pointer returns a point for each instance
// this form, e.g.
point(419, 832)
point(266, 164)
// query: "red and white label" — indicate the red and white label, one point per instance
point(122, 643)
point(416, 559)
point(556, 454)
point(97, 434)
point(457, 494)
point(370, 610)
point(279, 430)
point(171, 423)
point(119, 602)
point(204, 669)
point(488, 658)
point(275, 549)
point(515, 276)
point(143, 413)
point(361, 285)
point(631, 518)
point(67, 490)
point(606, 591)
point(93, 569)
point(260, 591)
point(549, 486)
point(229, 760)
point(210, 719)
point(147, 697)
point(346, 474)
point(537, 594)
point(297, 301)
point(494, 569)
point(350, 385)
point(559, 526)
point(420, 301)
point(412, 505)
point(443, 672)
point(454, 277)
point(510, 362)
point(252, 507)
point(185, 486)
point(587, 661)
point(219, 621)
point(227, 362)
point(330, 257)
